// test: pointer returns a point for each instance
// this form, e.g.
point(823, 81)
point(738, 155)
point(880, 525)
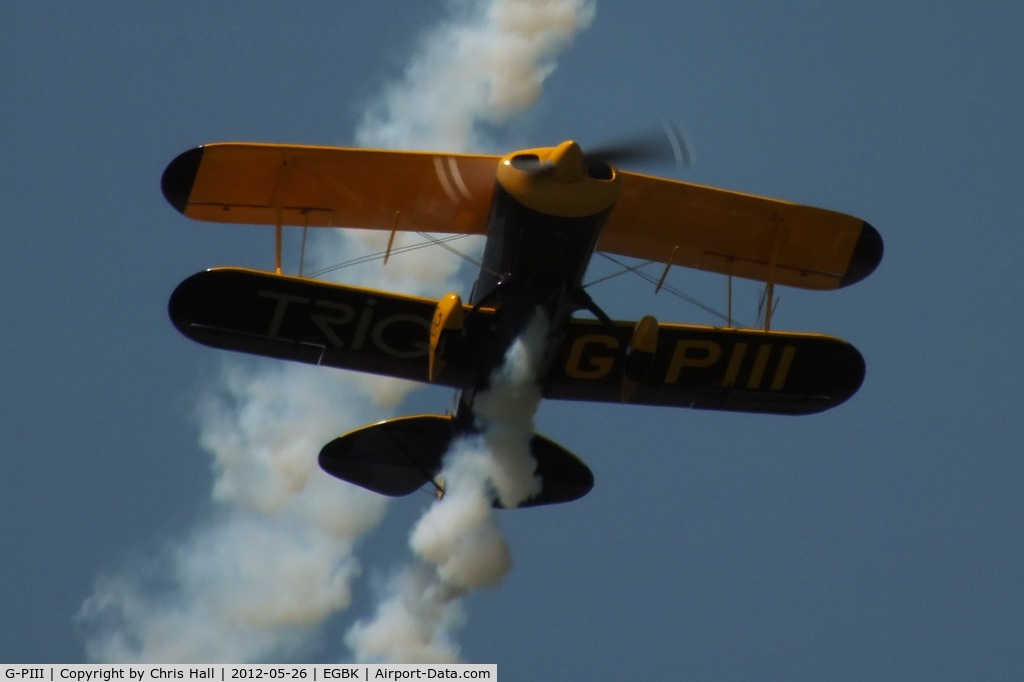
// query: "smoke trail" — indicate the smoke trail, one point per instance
point(457, 539)
point(276, 558)
point(484, 66)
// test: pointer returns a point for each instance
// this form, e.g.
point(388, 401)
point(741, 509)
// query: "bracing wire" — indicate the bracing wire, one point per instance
point(444, 242)
point(636, 269)
point(379, 255)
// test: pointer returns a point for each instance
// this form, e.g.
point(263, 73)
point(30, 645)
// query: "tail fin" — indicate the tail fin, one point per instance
point(399, 456)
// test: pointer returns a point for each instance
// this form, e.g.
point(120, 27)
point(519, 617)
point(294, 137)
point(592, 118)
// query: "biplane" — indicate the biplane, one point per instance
point(544, 213)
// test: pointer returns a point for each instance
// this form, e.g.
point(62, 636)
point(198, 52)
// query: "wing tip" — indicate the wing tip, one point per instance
point(867, 254)
point(179, 177)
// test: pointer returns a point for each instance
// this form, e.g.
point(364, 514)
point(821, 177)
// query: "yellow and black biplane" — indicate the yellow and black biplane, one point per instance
point(544, 213)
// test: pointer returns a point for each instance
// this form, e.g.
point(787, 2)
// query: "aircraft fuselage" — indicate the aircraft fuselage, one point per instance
point(535, 259)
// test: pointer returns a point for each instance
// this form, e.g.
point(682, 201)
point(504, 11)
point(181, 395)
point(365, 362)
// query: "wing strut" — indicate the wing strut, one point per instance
point(302, 254)
point(772, 269)
point(729, 321)
point(391, 239)
point(277, 203)
point(668, 265)
point(277, 241)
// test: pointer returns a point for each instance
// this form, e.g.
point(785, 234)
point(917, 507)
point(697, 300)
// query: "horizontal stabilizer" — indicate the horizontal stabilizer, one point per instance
point(395, 458)
point(399, 456)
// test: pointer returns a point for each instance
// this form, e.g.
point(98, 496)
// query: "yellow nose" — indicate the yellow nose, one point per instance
point(568, 160)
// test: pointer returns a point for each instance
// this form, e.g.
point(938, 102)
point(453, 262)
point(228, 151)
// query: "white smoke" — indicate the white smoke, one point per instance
point(457, 539)
point(484, 66)
point(276, 558)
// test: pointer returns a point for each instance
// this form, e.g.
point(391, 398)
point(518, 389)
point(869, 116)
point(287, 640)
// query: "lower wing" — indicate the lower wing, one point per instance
point(384, 333)
point(308, 321)
point(706, 368)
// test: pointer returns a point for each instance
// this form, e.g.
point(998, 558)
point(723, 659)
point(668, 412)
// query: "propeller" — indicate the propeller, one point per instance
point(665, 144)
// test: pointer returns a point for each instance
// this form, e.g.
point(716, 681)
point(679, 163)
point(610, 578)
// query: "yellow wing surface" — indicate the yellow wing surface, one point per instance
point(267, 184)
point(654, 218)
point(739, 234)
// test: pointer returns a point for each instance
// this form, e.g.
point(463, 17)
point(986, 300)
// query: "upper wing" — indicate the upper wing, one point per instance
point(739, 234)
point(268, 184)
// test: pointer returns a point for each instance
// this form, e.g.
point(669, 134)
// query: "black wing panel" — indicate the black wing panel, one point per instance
point(398, 456)
point(372, 331)
point(707, 368)
point(312, 322)
point(395, 458)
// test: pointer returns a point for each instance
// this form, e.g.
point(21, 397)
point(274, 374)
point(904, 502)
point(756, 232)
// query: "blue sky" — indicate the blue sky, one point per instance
point(879, 540)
